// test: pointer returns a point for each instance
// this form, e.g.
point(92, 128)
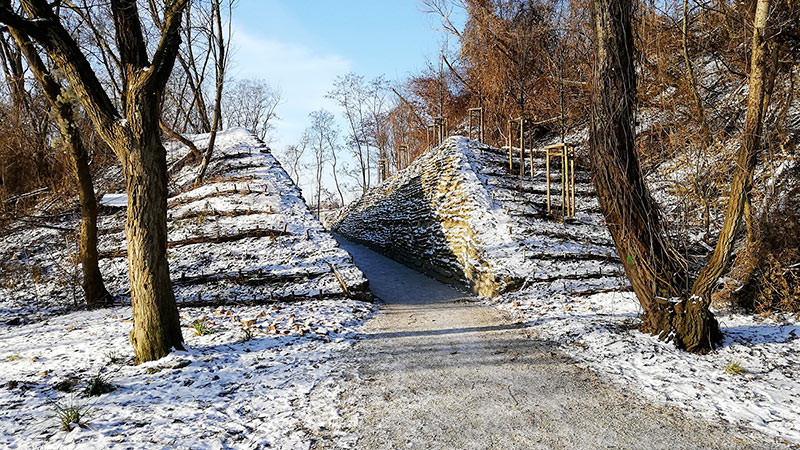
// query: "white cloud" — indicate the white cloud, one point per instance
point(303, 74)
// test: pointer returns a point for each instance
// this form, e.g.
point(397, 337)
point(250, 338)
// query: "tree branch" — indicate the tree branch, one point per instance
point(48, 31)
point(164, 57)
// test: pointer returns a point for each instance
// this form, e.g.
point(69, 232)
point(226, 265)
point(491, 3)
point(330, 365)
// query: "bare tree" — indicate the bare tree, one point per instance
point(332, 137)
point(292, 156)
point(185, 100)
point(762, 77)
point(251, 104)
point(220, 49)
point(320, 132)
point(658, 274)
point(133, 134)
point(350, 92)
point(61, 103)
point(377, 91)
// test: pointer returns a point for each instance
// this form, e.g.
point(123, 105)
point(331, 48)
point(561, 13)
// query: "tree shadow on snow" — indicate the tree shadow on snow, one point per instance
point(445, 331)
point(759, 334)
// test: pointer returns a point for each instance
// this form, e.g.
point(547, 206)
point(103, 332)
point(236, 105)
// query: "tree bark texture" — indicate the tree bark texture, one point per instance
point(658, 274)
point(742, 183)
point(156, 328)
point(133, 134)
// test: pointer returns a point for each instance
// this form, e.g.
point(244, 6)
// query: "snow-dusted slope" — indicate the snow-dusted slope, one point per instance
point(245, 235)
point(457, 213)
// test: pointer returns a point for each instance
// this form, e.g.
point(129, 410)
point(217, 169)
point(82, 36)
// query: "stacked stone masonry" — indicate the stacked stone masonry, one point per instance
point(457, 214)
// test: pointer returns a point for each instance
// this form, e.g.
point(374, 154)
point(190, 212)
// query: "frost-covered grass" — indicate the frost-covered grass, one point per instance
point(223, 391)
point(752, 380)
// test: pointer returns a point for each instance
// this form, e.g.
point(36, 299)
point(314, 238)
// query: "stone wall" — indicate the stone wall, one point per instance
point(456, 214)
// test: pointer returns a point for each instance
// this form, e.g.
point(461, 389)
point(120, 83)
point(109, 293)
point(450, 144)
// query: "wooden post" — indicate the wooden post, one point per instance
point(469, 125)
point(477, 121)
point(564, 184)
point(438, 129)
point(531, 158)
point(547, 168)
point(572, 189)
point(403, 155)
point(521, 146)
point(510, 156)
point(483, 141)
point(428, 135)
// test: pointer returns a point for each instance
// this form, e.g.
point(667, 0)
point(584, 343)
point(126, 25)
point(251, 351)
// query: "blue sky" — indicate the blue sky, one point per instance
point(302, 45)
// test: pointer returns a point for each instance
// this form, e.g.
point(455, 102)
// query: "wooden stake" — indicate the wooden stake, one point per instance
point(547, 168)
point(572, 203)
point(531, 158)
point(510, 155)
point(481, 129)
point(521, 147)
point(564, 169)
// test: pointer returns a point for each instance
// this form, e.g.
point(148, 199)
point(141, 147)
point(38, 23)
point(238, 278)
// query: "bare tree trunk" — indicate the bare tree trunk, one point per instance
point(93, 287)
point(698, 103)
point(221, 65)
point(656, 271)
point(320, 165)
point(15, 74)
point(134, 136)
point(738, 201)
point(156, 329)
point(332, 146)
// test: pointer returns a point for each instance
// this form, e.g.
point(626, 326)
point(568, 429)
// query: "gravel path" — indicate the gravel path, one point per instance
point(437, 370)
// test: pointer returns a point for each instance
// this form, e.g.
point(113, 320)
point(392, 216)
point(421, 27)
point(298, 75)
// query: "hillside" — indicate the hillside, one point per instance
point(457, 214)
point(243, 236)
point(263, 314)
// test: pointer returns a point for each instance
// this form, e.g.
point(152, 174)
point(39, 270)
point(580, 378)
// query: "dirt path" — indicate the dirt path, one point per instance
point(437, 370)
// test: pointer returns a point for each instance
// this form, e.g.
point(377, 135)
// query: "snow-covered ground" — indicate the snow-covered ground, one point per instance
point(559, 259)
point(224, 391)
point(244, 240)
point(599, 331)
point(245, 235)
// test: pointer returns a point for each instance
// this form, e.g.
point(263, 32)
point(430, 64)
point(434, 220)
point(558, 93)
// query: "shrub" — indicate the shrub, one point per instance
point(201, 327)
point(733, 368)
point(247, 333)
point(98, 385)
point(69, 414)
